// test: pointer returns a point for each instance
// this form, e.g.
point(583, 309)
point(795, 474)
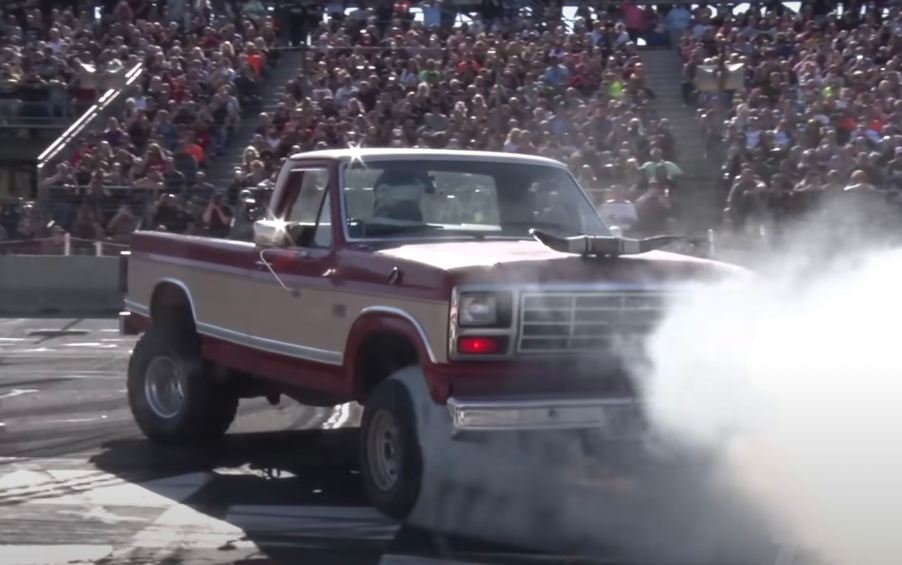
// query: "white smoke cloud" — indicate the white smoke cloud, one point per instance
point(793, 377)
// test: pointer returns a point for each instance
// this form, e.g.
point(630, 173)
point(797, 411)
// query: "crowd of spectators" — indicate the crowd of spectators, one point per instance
point(573, 91)
point(53, 63)
point(797, 106)
point(504, 81)
point(813, 108)
point(200, 67)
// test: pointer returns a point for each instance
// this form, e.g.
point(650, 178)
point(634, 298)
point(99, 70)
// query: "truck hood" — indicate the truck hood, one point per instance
point(530, 262)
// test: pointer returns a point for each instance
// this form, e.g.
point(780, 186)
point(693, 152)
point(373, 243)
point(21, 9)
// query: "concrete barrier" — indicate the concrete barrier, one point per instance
point(45, 284)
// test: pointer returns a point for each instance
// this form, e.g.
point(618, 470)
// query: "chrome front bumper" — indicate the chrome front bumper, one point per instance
point(619, 416)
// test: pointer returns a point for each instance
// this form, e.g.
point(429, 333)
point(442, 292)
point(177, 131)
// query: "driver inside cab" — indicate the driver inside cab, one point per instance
point(398, 195)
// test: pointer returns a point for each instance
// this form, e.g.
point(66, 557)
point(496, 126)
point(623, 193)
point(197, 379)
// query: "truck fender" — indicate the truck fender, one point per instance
point(172, 293)
point(385, 320)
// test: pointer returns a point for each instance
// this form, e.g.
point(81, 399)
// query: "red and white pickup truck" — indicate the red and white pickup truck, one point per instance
point(473, 293)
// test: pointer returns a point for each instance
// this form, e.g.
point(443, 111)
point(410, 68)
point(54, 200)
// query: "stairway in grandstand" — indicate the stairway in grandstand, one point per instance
point(221, 172)
point(664, 77)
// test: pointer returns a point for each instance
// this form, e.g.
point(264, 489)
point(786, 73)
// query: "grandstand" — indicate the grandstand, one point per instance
point(137, 116)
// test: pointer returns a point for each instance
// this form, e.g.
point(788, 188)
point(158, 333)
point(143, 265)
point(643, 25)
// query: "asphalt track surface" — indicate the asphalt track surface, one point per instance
point(79, 484)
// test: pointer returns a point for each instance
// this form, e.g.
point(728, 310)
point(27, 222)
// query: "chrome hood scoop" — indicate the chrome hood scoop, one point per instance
point(603, 246)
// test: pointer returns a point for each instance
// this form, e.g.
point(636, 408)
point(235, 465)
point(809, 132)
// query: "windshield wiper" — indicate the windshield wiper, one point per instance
point(376, 228)
point(602, 245)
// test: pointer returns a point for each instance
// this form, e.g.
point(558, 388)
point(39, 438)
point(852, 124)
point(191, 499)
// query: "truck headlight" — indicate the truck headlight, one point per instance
point(481, 324)
point(484, 310)
point(478, 309)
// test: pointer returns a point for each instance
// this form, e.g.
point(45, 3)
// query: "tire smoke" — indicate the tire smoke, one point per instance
point(792, 378)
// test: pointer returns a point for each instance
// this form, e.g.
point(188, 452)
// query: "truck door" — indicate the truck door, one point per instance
point(299, 292)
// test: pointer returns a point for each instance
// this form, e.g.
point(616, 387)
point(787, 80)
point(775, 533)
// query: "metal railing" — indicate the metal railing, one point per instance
point(50, 114)
point(63, 244)
point(110, 102)
point(63, 202)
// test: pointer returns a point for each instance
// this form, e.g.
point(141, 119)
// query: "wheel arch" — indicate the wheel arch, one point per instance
point(171, 303)
point(383, 340)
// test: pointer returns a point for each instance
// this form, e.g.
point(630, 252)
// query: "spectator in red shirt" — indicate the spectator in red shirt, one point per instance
point(255, 59)
point(193, 149)
point(635, 18)
point(154, 159)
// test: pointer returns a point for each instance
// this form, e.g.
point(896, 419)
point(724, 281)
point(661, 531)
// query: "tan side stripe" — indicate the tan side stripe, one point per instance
point(255, 342)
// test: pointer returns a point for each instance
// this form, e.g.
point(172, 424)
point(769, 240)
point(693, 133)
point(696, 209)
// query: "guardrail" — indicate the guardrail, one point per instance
point(108, 102)
point(63, 245)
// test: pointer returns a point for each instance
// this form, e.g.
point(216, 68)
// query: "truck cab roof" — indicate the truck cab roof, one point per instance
point(392, 153)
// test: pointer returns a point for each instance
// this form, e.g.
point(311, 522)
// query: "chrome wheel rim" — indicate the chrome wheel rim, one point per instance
point(164, 387)
point(384, 450)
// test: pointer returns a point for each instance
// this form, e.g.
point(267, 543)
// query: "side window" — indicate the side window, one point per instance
point(306, 205)
point(311, 205)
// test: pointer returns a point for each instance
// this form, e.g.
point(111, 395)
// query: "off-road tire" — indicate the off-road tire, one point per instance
point(208, 408)
point(391, 397)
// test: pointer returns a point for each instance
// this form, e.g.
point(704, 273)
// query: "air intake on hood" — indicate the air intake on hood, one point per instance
point(604, 246)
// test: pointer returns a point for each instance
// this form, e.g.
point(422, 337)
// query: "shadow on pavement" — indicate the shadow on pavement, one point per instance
point(297, 496)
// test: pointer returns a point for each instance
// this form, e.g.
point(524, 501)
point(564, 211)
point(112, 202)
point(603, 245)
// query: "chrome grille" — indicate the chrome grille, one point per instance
point(551, 322)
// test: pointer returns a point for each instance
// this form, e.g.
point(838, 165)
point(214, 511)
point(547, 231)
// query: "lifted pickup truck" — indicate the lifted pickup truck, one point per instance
point(474, 293)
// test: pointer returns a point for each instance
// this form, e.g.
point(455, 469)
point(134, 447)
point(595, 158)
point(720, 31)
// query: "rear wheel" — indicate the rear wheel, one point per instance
point(169, 393)
point(390, 458)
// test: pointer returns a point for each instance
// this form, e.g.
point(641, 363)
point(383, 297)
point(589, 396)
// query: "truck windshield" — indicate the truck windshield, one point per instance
point(436, 199)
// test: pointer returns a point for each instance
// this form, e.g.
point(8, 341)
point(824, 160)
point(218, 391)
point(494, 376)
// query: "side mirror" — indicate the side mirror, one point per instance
point(276, 233)
point(271, 233)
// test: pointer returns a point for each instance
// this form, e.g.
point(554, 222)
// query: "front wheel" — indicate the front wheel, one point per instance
point(169, 393)
point(391, 462)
